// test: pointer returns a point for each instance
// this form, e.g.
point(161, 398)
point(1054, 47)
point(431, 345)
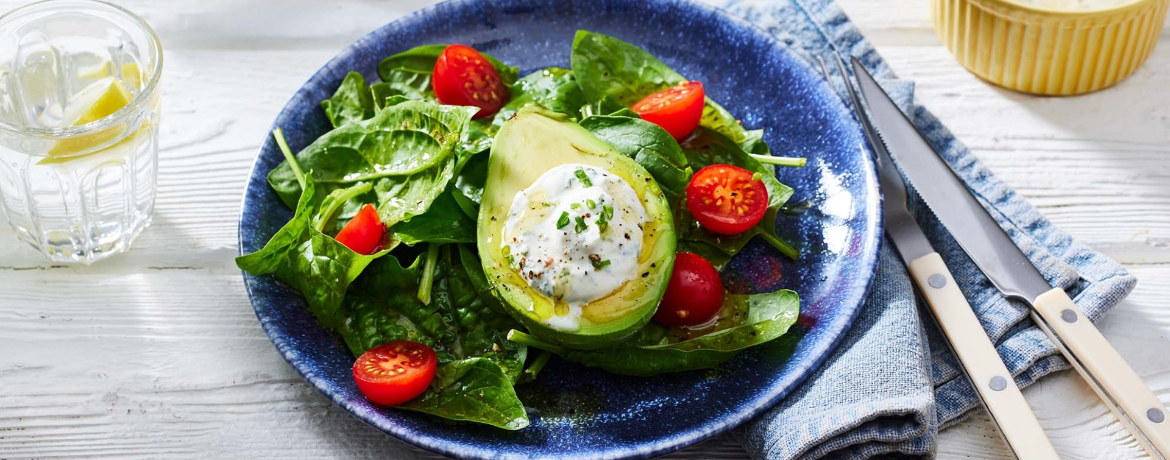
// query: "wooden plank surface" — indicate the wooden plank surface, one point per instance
point(158, 354)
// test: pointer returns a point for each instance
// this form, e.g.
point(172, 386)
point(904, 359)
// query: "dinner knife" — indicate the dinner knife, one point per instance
point(990, 377)
point(1014, 275)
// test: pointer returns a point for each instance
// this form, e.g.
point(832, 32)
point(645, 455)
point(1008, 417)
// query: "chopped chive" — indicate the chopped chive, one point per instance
point(600, 264)
point(581, 226)
point(580, 173)
point(575, 206)
point(508, 254)
point(563, 220)
point(603, 219)
point(590, 203)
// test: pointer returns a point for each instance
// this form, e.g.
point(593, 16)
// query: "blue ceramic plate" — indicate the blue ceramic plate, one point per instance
point(578, 412)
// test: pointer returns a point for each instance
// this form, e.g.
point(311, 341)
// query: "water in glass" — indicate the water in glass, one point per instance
point(79, 112)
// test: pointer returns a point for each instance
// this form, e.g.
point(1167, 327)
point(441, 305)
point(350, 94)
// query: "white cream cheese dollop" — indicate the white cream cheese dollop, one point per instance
point(574, 235)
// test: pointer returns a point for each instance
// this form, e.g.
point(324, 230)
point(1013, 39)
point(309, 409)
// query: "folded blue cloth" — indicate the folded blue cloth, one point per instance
point(894, 382)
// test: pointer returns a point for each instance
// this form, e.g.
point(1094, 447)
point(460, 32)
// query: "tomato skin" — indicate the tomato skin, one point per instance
point(725, 199)
point(363, 234)
point(396, 372)
point(677, 109)
point(464, 77)
point(694, 294)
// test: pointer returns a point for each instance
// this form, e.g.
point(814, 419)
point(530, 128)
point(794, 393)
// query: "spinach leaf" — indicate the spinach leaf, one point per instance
point(310, 261)
point(478, 279)
point(753, 143)
point(444, 222)
point(606, 106)
point(608, 67)
point(649, 145)
point(352, 101)
point(469, 183)
point(406, 67)
point(706, 147)
point(458, 322)
point(710, 251)
point(408, 74)
point(462, 323)
point(407, 151)
point(474, 390)
point(746, 321)
point(553, 88)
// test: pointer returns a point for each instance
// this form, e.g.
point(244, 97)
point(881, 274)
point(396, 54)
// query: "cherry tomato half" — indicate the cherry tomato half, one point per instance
point(694, 294)
point(725, 199)
point(364, 232)
point(677, 109)
point(464, 77)
point(396, 372)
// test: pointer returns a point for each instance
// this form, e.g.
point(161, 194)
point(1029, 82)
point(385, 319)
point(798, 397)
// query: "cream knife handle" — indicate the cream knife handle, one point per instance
point(988, 374)
point(1105, 370)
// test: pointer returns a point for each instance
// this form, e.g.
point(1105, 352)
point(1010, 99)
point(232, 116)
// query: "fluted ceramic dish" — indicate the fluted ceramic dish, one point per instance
point(577, 412)
point(1034, 47)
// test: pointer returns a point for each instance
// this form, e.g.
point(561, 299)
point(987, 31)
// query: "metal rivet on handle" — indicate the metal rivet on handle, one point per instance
point(937, 281)
point(998, 383)
point(1155, 415)
point(1068, 316)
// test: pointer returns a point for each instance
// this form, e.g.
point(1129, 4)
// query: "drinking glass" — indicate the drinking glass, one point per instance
point(79, 112)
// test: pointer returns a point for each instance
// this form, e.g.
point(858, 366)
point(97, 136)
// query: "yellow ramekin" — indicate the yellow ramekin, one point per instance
point(1046, 51)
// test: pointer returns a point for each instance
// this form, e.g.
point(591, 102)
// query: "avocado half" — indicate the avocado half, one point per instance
point(530, 143)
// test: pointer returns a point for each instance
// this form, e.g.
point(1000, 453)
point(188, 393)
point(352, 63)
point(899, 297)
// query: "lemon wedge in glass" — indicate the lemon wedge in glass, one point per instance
point(98, 100)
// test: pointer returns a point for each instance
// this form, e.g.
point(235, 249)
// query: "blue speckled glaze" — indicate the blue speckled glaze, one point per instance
point(578, 412)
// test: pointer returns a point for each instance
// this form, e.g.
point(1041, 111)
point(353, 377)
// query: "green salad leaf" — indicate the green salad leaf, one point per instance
point(608, 67)
point(745, 321)
point(462, 322)
point(310, 261)
point(473, 390)
point(353, 101)
point(458, 322)
point(408, 74)
point(553, 88)
point(469, 183)
point(649, 145)
point(707, 147)
point(405, 68)
point(444, 222)
point(406, 151)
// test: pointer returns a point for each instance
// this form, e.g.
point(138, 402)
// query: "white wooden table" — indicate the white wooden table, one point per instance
point(157, 353)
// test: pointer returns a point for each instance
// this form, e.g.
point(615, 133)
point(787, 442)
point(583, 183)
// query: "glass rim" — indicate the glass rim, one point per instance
point(135, 106)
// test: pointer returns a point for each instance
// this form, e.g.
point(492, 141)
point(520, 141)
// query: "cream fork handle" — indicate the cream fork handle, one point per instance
point(1106, 371)
point(988, 374)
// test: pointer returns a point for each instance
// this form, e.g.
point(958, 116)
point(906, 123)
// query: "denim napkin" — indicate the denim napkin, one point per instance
point(894, 382)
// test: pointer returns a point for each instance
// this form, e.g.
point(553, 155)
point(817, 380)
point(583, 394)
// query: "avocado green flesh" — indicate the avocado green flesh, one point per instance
point(529, 144)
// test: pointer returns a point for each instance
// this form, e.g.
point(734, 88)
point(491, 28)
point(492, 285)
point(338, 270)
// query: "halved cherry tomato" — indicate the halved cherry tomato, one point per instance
point(364, 232)
point(725, 199)
point(396, 372)
point(694, 294)
point(464, 77)
point(677, 109)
